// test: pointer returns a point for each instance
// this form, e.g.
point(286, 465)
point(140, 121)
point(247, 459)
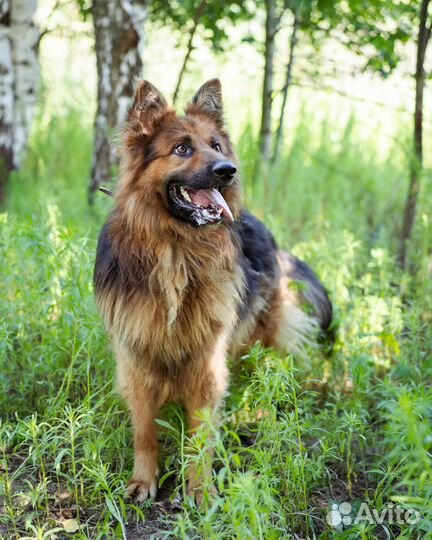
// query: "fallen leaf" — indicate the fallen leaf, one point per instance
point(70, 525)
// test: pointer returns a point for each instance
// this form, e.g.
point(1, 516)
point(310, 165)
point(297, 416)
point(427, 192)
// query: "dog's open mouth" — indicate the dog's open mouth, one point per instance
point(202, 205)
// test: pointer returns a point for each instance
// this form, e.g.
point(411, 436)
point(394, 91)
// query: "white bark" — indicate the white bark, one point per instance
point(24, 37)
point(19, 81)
point(119, 33)
point(6, 90)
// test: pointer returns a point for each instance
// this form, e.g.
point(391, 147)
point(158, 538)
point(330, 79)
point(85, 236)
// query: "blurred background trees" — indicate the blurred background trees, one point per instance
point(193, 17)
point(19, 81)
point(290, 39)
point(423, 37)
point(119, 41)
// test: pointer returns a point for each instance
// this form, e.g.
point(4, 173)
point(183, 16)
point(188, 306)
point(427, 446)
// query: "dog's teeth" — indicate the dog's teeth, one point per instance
point(185, 194)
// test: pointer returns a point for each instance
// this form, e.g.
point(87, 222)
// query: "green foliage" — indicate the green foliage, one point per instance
point(375, 30)
point(85, 8)
point(211, 17)
point(296, 435)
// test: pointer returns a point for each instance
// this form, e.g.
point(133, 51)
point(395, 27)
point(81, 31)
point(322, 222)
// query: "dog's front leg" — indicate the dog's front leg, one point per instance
point(206, 388)
point(145, 471)
point(143, 403)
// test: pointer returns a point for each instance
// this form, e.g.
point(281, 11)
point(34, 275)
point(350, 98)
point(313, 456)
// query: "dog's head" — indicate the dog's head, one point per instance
point(182, 166)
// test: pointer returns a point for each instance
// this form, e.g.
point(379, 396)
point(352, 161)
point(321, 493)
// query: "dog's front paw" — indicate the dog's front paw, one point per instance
point(139, 490)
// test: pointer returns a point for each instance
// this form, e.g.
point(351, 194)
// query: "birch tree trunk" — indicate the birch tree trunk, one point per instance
point(424, 35)
point(267, 98)
point(19, 82)
point(6, 97)
point(119, 40)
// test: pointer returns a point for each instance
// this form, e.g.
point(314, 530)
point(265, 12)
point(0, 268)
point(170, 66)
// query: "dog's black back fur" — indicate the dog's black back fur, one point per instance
point(257, 257)
point(259, 254)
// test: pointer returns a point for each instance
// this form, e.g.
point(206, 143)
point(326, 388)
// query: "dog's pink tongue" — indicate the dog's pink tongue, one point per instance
point(206, 197)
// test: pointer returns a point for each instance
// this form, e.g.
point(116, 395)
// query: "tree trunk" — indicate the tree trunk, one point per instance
point(6, 97)
point(267, 98)
point(196, 19)
point(19, 82)
point(288, 78)
point(185, 62)
point(417, 161)
point(119, 33)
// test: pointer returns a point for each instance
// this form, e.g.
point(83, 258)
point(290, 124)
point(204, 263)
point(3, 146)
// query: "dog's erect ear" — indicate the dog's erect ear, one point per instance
point(149, 106)
point(208, 101)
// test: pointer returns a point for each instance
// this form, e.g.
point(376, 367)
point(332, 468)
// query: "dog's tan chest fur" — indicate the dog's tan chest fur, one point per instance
point(179, 308)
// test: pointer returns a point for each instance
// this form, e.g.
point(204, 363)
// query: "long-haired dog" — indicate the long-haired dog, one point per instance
point(185, 277)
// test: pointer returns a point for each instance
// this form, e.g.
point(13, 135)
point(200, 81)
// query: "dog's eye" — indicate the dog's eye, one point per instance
point(182, 150)
point(217, 147)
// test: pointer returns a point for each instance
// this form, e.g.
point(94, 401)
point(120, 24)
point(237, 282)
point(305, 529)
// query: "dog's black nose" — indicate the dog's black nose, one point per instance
point(224, 169)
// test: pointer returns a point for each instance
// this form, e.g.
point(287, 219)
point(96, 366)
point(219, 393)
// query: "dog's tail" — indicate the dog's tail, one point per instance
point(311, 293)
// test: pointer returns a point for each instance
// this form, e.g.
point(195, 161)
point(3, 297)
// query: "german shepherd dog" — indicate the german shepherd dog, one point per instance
point(185, 277)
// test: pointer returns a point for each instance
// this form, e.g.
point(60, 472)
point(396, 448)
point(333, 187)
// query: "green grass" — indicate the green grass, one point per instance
point(296, 435)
